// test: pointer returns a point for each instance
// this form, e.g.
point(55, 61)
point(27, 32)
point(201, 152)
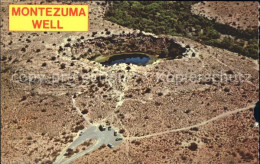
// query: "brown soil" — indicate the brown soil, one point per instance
point(243, 15)
point(38, 120)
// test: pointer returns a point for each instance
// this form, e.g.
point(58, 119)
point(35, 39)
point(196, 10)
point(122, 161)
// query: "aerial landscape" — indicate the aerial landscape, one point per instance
point(150, 82)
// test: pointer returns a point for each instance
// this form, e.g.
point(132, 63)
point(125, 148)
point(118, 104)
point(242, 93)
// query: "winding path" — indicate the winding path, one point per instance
point(196, 125)
point(78, 110)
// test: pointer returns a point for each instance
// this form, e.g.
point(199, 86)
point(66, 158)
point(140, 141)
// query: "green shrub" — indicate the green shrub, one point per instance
point(175, 18)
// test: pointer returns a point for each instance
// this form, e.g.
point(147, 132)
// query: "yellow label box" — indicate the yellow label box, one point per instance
point(67, 18)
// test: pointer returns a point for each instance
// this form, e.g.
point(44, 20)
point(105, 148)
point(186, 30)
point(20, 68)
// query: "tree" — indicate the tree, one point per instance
point(211, 33)
point(227, 42)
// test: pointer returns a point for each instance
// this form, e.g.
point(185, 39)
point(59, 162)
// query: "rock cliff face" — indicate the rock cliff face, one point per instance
point(160, 46)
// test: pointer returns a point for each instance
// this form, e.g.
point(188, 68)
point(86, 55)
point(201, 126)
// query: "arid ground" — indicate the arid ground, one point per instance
point(237, 14)
point(194, 109)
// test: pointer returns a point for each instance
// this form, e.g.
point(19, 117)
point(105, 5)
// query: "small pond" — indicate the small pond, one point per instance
point(128, 58)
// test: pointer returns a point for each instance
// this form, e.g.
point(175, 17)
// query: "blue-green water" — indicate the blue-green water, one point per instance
point(138, 59)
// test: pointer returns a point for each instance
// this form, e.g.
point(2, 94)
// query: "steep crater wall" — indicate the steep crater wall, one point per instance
point(159, 46)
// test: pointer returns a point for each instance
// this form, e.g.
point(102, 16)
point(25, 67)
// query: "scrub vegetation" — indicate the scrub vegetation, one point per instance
point(176, 18)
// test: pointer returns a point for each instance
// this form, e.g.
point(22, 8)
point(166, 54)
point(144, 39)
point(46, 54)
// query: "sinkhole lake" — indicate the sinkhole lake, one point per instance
point(128, 58)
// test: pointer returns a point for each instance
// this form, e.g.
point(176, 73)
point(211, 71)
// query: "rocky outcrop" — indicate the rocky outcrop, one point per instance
point(162, 46)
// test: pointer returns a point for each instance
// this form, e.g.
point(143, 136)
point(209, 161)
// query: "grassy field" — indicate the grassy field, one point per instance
point(175, 18)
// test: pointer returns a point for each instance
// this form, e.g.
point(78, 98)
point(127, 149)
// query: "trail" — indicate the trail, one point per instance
point(91, 133)
point(86, 119)
point(120, 100)
point(193, 126)
point(78, 110)
point(249, 82)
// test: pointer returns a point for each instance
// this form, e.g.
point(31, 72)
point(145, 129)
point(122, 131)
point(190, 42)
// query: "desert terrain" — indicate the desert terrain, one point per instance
point(237, 14)
point(195, 108)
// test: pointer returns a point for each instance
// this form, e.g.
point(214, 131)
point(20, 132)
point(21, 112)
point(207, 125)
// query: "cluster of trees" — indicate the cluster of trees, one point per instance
point(248, 48)
point(175, 18)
